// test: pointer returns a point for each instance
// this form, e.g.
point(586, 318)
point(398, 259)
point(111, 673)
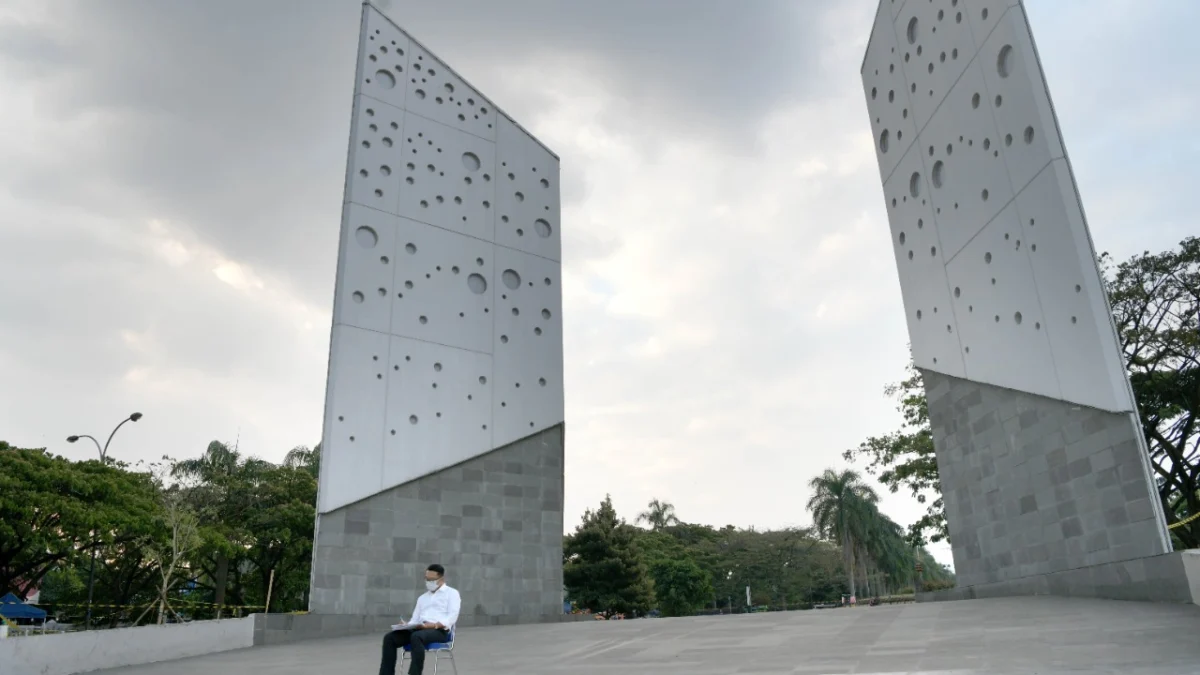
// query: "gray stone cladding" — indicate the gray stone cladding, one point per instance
point(495, 522)
point(1173, 577)
point(1036, 486)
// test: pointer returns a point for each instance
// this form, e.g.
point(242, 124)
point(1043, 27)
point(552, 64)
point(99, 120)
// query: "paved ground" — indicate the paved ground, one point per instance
point(1047, 636)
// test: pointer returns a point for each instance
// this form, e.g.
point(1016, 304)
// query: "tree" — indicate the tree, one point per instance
point(279, 529)
point(170, 556)
point(888, 556)
point(54, 511)
point(658, 515)
point(906, 459)
point(602, 565)
point(842, 507)
point(213, 493)
point(255, 518)
point(304, 459)
point(680, 586)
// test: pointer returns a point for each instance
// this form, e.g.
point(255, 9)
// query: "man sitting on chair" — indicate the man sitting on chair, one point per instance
point(432, 621)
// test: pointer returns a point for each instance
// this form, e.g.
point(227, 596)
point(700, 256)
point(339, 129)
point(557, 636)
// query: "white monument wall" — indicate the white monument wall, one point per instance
point(447, 330)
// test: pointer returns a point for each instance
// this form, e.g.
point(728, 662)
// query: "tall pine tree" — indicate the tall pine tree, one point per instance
point(602, 566)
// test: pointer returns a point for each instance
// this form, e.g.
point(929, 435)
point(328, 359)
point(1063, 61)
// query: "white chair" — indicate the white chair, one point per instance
point(435, 650)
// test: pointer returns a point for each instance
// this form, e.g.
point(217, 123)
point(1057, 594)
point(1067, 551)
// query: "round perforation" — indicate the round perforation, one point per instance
point(511, 279)
point(366, 237)
point(1004, 60)
point(477, 284)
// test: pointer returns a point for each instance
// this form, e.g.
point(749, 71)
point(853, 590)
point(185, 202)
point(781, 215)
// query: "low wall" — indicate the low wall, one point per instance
point(83, 651)
point(275, 629)
point(1173, 577)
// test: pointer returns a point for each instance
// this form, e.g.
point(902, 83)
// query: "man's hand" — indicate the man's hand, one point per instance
point(430, 624)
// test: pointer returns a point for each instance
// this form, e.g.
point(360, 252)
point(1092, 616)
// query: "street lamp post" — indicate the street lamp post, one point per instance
point(103, 458)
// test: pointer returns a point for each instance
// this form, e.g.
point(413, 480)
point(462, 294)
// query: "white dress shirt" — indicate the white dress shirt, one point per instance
point(440, 606)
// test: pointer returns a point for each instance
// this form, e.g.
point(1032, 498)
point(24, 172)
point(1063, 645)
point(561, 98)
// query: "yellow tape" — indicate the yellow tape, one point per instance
point(1183, 522)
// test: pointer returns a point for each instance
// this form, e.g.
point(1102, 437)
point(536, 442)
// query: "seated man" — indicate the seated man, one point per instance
point(432, 620)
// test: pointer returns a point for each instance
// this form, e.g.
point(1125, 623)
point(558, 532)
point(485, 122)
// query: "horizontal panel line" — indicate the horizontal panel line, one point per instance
point(446, 229)
point(427, 118)
point(414, 339)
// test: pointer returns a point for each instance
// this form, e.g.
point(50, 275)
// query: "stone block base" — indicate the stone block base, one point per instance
point(494, 521)
point(1035, 487)
point(1173, 577)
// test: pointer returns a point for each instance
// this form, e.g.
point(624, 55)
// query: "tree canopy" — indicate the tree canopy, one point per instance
point(53, 511)
point(692, 567)
point(602, 565)
point(179, 536)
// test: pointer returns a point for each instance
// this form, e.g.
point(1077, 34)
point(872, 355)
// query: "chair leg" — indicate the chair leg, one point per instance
point(435, 660)
point(453, 663)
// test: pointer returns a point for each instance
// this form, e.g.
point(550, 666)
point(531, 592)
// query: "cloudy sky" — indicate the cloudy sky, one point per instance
point(171, 178)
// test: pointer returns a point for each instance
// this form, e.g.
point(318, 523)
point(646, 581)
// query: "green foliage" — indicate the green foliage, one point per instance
point(693, 565)
point(877, 554)
point(658, 515)
point(603, 568)
point(255, 517)
point(680, 586)
point(53, 512)
point(937, 585)
point(906, 459)
point(843, 510)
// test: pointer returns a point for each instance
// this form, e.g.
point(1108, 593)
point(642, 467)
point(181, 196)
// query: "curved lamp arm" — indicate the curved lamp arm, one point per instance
point(104, 450)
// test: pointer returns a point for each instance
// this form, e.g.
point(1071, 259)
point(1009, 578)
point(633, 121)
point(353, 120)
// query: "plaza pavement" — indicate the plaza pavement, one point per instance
point(1042, 635)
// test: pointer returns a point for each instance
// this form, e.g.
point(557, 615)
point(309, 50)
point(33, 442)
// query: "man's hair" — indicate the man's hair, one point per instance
point(437, 569)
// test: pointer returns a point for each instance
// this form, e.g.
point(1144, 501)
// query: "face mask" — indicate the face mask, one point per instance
point(431, 586)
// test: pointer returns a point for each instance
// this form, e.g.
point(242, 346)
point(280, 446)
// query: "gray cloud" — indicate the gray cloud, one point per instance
point(251, 100)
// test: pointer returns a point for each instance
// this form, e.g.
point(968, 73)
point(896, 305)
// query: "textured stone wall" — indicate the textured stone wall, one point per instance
point(1172, 577)
point(1034, 486)
point(495, 522)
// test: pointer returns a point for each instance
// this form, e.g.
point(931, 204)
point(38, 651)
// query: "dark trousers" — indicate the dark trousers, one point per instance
point(416, 640)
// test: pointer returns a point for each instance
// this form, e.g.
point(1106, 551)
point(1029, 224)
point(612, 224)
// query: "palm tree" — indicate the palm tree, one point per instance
point(222, 486)
point(301, 457)
point(843, 508)
point(658, 515)
point(888, 552)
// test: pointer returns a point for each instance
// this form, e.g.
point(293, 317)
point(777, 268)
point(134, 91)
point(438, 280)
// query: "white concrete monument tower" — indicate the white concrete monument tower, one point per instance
point(1043, 465)
point(443, 435)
